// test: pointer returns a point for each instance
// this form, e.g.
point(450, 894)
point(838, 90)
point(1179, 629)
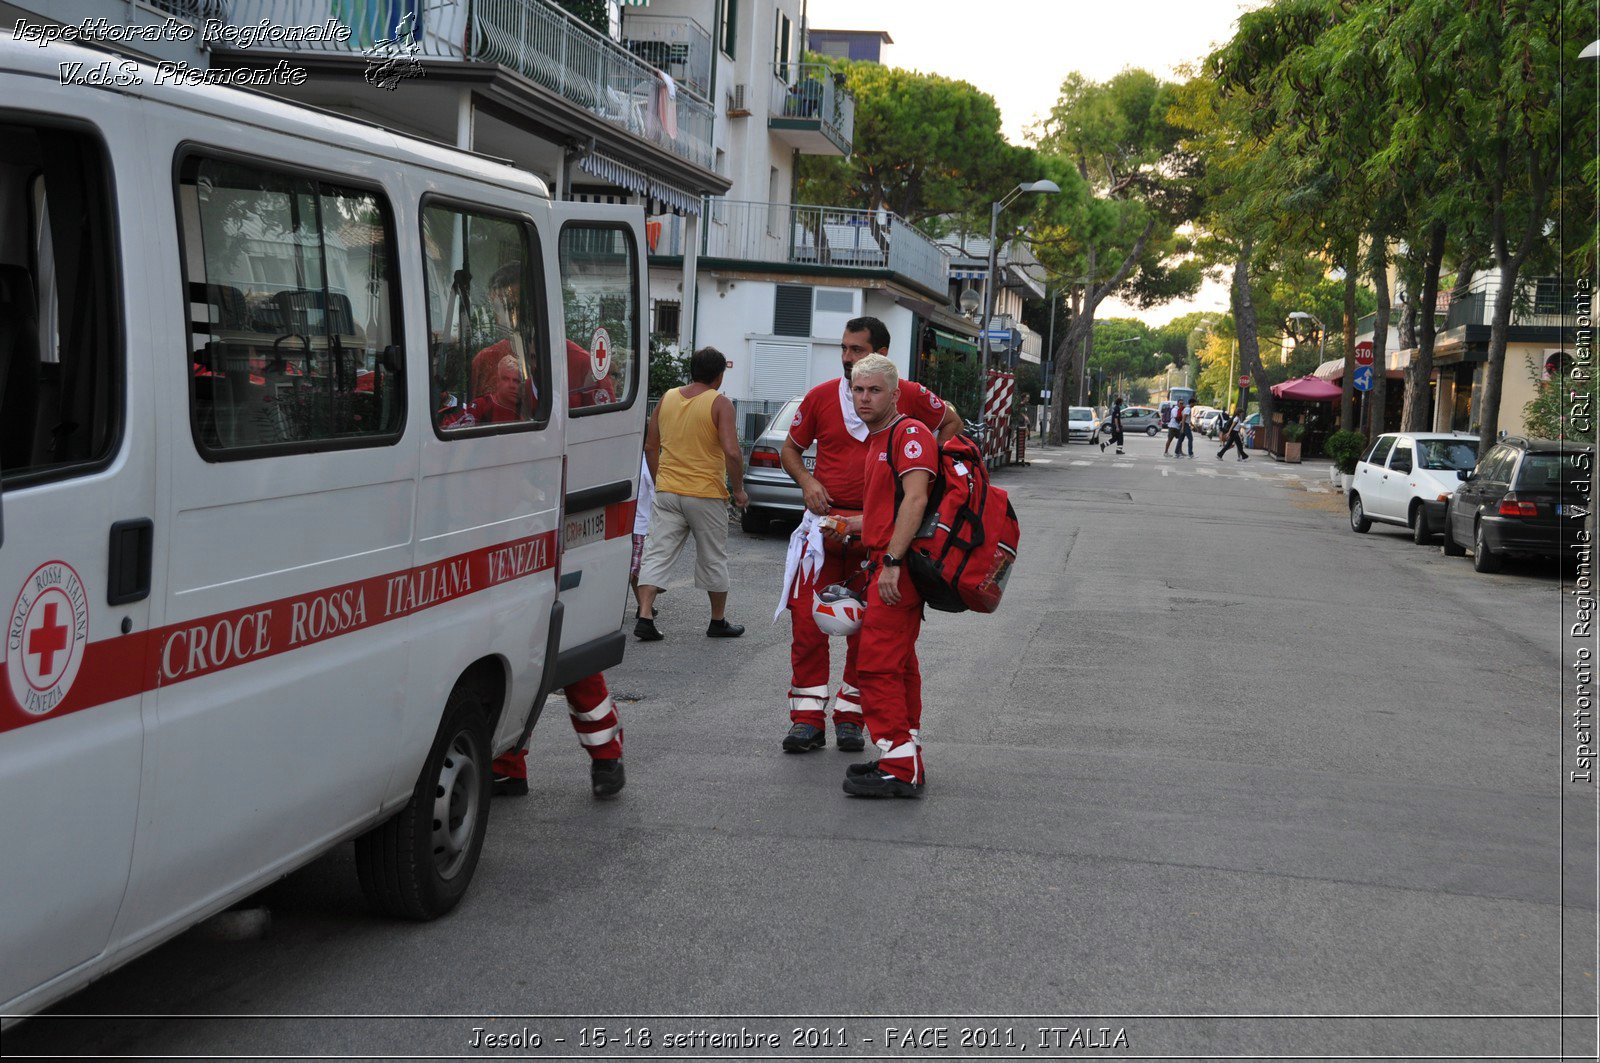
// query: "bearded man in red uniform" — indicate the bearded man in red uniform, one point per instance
point(828, 417)
point(901, 461)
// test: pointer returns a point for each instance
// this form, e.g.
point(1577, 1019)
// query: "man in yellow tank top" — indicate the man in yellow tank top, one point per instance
point(693, 452)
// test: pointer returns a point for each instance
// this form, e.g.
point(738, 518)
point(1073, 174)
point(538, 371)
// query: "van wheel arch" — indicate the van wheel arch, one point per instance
point(418, 863)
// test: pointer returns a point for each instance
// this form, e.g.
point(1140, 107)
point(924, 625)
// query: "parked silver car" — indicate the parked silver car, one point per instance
point(1080, 424)
point(773, 492)
point(1140, 419)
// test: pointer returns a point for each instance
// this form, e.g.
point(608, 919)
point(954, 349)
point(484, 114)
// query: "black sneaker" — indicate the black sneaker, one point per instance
point(803, 738)
point(645, 630)
point(879, 784)
point(867, 767)
point(509, 786)
point(848, 737)
point(721, 629)
point(606, 777)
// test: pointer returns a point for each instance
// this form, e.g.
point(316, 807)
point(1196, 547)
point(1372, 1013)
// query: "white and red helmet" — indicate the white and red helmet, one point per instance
point(838, 610)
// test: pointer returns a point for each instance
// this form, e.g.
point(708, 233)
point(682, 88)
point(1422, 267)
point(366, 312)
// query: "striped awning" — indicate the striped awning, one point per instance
point(618, 173)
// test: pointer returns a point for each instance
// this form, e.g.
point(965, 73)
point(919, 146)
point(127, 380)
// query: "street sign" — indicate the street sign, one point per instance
point(1363, 376)
point(999, 335)
point(1244, 381)
point(1364, 353)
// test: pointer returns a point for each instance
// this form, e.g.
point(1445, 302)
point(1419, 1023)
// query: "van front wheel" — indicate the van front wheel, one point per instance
point(418, 863)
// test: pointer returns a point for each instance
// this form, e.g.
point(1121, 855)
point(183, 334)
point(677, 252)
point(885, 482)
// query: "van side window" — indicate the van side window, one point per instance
point(60, 306)
point(294, 311)
point(484, 350)
point(600, 300)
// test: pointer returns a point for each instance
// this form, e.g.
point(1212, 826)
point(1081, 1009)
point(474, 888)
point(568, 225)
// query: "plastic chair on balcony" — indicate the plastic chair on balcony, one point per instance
point(805, 99)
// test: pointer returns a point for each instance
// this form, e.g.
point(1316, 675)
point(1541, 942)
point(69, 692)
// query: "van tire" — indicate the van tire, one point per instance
point(405, 871)
point(755, 521)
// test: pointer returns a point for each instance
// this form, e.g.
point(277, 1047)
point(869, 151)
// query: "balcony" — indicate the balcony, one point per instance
point(814, 238)
point(680, 46)
point(1538, 303)
point(533, 38)
point(811, 111)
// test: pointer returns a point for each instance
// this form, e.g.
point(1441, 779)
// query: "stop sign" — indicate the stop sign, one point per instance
point(1244, 381)
point(1364, 353)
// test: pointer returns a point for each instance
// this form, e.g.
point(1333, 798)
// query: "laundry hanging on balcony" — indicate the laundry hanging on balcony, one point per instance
point(667, 104)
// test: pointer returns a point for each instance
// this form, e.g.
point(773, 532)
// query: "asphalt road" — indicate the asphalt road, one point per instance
point(1220, 775)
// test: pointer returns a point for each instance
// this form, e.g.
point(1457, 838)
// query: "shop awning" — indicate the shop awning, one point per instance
point(620, 173)
point(949, 341)
point(1307, 389)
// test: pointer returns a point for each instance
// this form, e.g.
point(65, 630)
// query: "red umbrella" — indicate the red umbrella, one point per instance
point(1307, 389)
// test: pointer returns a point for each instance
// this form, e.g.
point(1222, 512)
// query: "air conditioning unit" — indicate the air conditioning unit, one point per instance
point(736, 103)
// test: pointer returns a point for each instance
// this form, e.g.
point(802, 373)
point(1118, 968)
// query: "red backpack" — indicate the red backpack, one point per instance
point(962, 554)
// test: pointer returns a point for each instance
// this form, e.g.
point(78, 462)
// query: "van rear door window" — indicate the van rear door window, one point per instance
point(484, 337)
point(294, 311)
point(60, 307)
point(600, 300)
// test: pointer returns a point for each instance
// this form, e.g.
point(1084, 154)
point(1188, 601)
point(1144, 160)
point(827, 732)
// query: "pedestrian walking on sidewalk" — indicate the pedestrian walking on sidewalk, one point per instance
point(902, 458)
point(817, 558)
point(693, 453)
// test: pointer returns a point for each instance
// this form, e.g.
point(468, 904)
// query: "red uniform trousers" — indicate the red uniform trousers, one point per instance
point(891, 682)
point(594, 717)
point(808, 646)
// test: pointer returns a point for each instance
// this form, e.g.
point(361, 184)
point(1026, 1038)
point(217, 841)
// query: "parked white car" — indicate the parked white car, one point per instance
point(1407, 478)
point(1080, 424)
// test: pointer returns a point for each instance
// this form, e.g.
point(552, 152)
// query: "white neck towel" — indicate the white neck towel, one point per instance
point(852, 420)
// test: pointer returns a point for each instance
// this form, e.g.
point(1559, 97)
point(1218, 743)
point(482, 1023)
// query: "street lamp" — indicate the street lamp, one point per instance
point(1322, 333)
point(1044, 186)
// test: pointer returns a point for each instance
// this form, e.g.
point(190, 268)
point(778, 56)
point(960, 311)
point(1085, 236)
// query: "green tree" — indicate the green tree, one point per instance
point(925, 147)
point(1119, 230)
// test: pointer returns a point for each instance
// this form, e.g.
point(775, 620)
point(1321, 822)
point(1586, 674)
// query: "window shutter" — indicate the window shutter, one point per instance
point(791, 314)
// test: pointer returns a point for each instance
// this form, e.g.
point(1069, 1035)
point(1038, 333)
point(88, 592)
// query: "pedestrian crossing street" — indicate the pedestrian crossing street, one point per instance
point(1312, 479)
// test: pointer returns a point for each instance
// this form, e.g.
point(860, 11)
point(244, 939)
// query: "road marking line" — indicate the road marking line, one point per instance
point(1081, 464)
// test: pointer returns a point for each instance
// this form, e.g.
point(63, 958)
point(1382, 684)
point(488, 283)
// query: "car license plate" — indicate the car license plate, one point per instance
point(811, 462)
point(584, 528)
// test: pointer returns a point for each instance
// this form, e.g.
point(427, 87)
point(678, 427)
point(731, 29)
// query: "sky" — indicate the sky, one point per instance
point(1019, 51)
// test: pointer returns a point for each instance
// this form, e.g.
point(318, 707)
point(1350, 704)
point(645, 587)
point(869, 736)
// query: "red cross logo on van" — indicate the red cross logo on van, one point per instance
point(46, 637)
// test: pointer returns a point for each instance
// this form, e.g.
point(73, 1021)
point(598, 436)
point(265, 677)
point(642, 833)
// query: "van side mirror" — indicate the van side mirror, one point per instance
point(1464, 475)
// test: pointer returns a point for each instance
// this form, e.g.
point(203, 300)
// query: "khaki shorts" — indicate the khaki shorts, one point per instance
point(675, 518)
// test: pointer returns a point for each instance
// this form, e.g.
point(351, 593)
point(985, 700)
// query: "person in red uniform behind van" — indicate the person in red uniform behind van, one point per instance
point(594, 717)
point(502, 391)
point(583, 389)
point(902, 457)
point(827, 416)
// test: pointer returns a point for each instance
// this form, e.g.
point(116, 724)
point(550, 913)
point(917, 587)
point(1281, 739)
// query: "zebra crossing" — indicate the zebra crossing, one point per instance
point(1229, 469)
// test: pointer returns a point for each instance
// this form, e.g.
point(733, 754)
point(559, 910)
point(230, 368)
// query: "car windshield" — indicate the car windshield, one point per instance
point(1080, 413)
point(1445, 454)
point(1543, 472)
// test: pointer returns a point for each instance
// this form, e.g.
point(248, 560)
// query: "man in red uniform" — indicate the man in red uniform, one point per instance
point(594, 717)
point(828, 417)
point(901, 461)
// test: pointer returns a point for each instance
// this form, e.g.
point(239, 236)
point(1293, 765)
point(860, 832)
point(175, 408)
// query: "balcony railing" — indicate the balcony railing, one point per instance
point(823, 237)
point(814, 91)
point(532, 37)
point(1538, 303)
point(680, 46)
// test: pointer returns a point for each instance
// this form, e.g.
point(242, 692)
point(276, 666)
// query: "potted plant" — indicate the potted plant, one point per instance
point(1292, 435)
point(1346, 448)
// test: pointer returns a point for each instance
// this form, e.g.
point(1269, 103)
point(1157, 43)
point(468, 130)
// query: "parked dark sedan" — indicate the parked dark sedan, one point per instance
point(1523, 498)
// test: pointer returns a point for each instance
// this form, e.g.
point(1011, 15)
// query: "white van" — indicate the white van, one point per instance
point(317, 451)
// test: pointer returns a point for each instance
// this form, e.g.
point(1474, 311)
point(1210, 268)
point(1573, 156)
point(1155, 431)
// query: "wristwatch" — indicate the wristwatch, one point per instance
point(890, 561)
